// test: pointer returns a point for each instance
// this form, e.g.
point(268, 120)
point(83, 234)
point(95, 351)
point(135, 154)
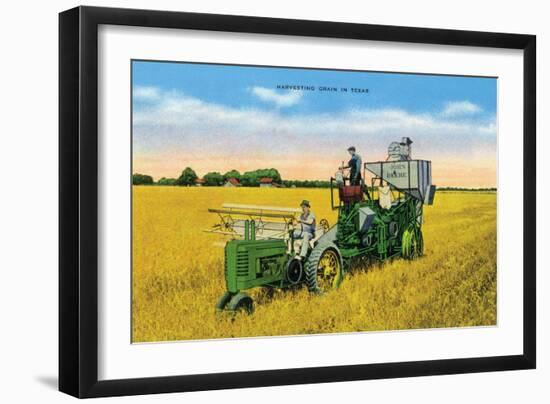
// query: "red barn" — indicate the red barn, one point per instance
point(232, 182)
point(267, 182)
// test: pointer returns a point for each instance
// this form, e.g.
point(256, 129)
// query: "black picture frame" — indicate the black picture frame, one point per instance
point(78, 201)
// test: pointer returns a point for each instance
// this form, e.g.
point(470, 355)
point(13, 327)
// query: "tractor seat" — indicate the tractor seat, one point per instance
point(318, 234)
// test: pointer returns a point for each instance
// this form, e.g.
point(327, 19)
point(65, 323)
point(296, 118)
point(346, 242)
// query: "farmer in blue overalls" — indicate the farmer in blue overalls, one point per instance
point(354, 166)
point(307, 232)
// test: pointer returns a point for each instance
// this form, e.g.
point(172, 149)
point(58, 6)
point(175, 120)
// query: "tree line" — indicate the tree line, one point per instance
point(466, 189)
point(212, 179)
point(252, 179)
point(306, 184)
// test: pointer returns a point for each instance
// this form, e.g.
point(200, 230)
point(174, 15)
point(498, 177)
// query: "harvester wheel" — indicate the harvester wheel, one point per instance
point(241, 302)
point(324, 268)
point(412, 243)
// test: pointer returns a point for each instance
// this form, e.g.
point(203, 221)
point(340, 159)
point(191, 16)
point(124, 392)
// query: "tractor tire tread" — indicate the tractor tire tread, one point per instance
point(312, 264)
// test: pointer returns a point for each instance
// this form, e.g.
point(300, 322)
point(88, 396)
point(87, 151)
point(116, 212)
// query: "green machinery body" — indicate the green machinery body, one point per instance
point(251, 263)
point(364, 230)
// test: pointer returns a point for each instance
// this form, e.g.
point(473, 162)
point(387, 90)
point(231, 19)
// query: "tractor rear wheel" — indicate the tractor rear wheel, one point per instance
point(324, 268)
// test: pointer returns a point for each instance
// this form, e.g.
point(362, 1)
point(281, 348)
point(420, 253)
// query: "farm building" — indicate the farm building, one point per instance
point(232, 182)
point(199, 182)
point(267, 182)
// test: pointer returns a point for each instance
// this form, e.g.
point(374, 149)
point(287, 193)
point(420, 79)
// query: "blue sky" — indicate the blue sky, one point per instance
point(229, 85)
point(213, 117)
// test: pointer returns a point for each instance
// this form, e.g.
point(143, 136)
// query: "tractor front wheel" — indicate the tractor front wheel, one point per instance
point(220, 306)
point(241, 302)
point(324, 268)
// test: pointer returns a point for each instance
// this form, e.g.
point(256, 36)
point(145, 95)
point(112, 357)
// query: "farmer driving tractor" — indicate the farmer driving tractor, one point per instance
point(307, 231)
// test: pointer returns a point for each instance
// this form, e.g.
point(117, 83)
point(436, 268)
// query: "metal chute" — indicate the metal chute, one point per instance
point(401, 172)
point(413, 177)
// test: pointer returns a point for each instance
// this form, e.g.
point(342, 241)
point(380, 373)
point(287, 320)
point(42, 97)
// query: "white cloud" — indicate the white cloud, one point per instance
point(279, 99)
point(460, 108)
point(177, 122)
point(142, 93)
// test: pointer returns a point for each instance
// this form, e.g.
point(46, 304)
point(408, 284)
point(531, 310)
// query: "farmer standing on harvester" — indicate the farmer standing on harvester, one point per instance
point(354, 165)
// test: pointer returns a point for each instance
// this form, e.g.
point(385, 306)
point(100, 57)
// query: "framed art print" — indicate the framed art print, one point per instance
point(249, 201)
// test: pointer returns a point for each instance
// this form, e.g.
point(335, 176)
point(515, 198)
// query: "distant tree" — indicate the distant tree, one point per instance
point(232, 174)
point(252, 178)
point(167, 181)
point(249, 179)
point(270, 173)
point(213, 179)
point(187, 177)
point(141, 179)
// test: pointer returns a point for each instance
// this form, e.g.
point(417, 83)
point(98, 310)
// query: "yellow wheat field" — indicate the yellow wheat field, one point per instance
point(178, 271)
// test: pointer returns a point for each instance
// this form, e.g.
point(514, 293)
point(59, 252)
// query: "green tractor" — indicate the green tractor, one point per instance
point(378, 221)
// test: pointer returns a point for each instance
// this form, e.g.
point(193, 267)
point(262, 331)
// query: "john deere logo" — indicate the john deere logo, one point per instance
point(398, 171)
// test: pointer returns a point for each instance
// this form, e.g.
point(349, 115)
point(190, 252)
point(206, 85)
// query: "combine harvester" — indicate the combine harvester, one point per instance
point(375, 222)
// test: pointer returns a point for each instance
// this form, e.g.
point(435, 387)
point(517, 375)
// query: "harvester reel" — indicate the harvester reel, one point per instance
point(324, 268)
point(227, 223)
